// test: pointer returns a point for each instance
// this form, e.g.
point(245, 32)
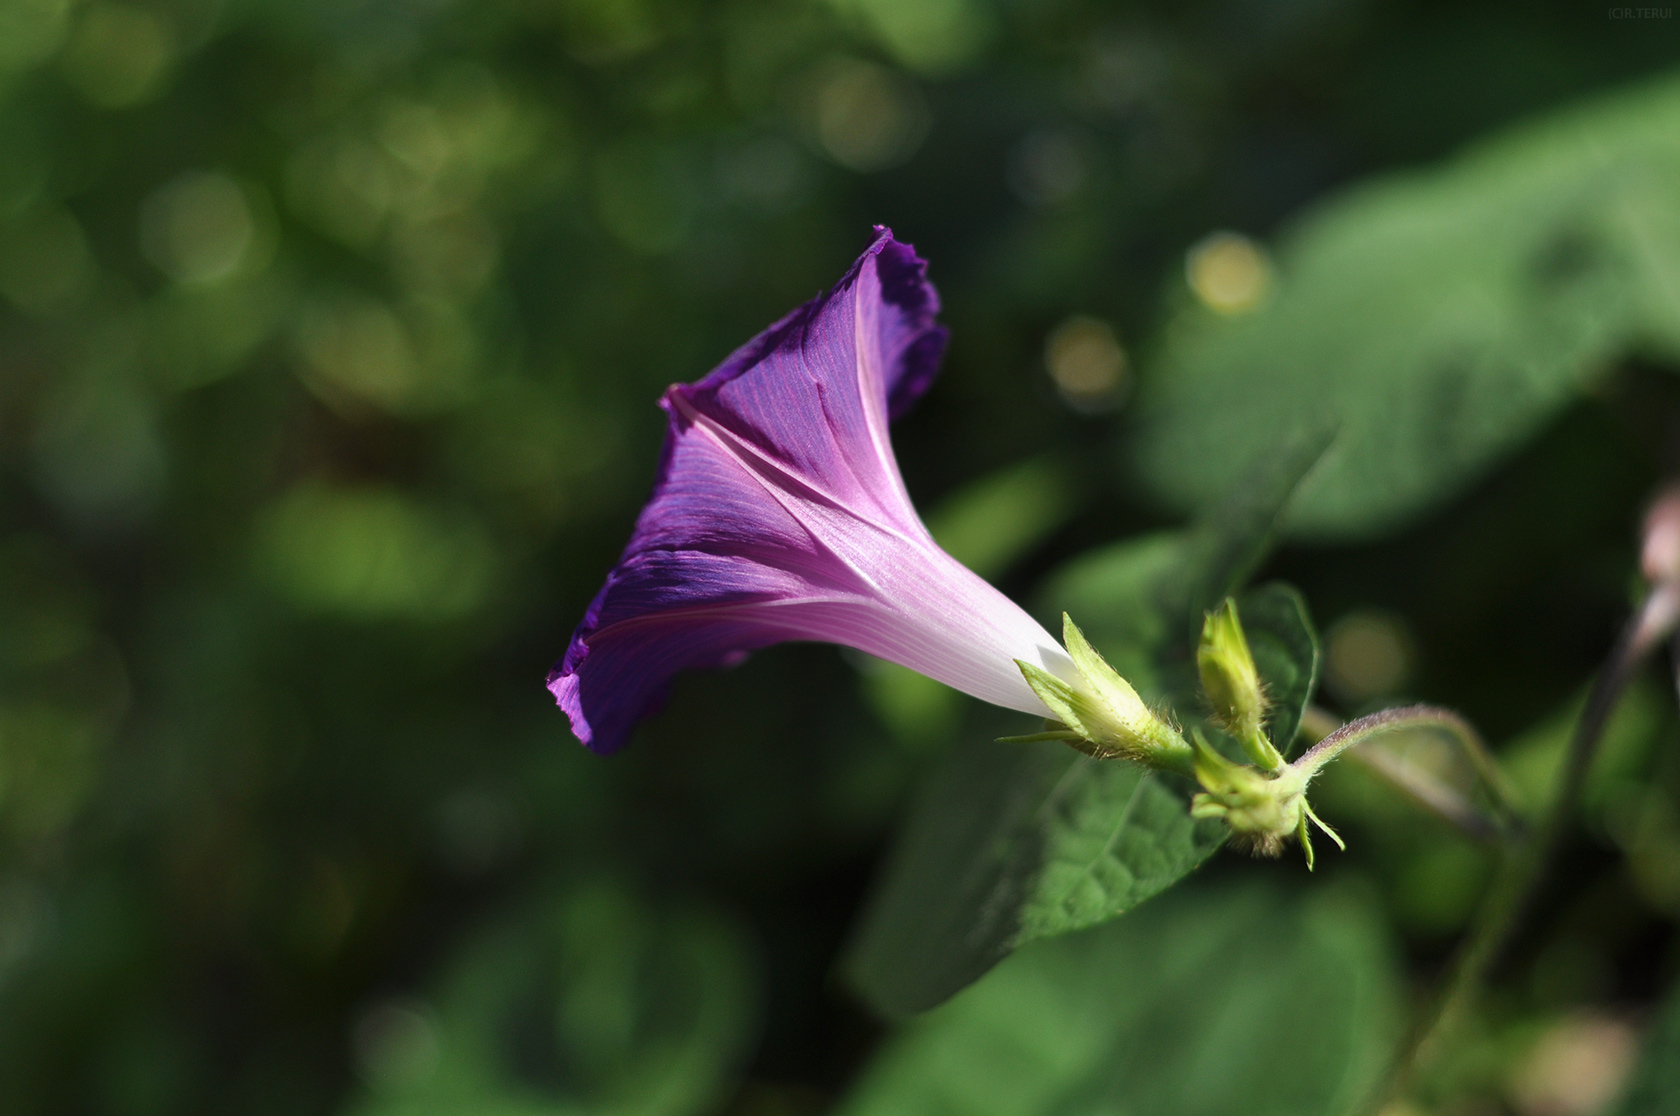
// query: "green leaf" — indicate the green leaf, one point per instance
point(589, 1005)
point(1439, 318)
point(1012, 842)
point(1209, 1002)
point(1286, 652)
point(1115, 835)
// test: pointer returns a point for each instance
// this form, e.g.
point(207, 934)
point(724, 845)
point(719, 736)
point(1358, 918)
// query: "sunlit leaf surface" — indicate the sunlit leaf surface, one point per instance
point(1438, 317)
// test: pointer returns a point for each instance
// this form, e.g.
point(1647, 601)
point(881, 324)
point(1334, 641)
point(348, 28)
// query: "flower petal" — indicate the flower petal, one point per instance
point(814, 393)
point(779, 513)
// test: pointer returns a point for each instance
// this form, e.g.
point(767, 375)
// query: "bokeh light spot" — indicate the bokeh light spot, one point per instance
point(931, 36)
point(198, 228)
point(373, 553)
point(30, 31)
point(599, 32)
point(413, 134)
point(199, 334)
point(359, 353)
point(1084, 358)
point(1368, 654)
point(1577, 1067)
point(49, 766)
point(118, 54)
point(359, 347)
point(1228, 272)
point(867, 117)
point(343, 185)
point(396, 1046)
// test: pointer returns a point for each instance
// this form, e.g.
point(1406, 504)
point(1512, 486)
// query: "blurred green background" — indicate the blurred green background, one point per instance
point(329, 342)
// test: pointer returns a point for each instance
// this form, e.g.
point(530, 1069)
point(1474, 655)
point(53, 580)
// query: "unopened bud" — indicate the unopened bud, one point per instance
point(1232, 686)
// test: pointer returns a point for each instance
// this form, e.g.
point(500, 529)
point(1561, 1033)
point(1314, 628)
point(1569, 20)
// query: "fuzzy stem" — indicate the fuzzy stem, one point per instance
point(1412, 718)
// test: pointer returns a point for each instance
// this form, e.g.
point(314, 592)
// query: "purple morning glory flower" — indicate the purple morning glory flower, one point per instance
point(779, 514)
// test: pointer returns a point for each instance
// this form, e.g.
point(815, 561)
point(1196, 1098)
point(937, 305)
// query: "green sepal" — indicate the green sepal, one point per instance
point(1104, 712)
point(1262, 810)
point(1307, 811)
point(1061, 698)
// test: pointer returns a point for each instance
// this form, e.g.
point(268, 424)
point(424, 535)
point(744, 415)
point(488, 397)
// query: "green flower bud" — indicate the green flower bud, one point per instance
point(1104, 715)
point(1232, 684)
